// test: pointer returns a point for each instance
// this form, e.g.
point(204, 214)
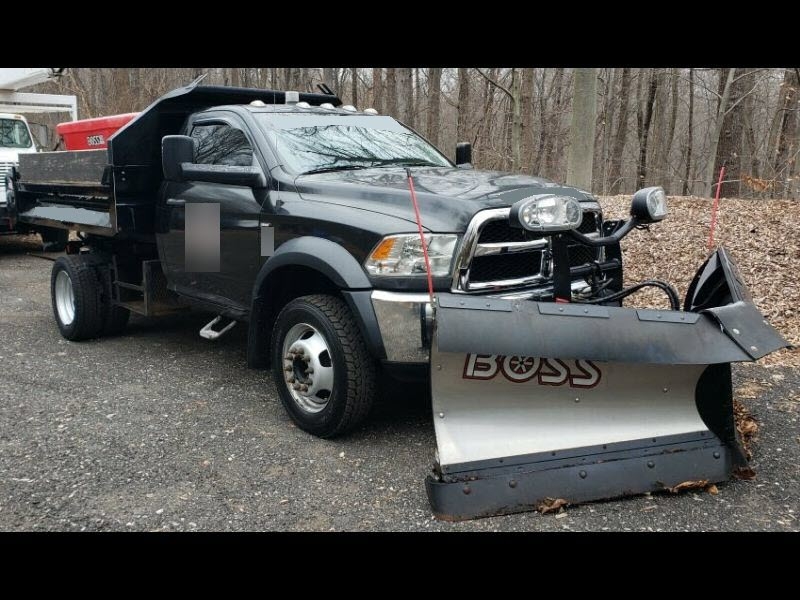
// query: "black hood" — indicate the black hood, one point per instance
point(448, 197)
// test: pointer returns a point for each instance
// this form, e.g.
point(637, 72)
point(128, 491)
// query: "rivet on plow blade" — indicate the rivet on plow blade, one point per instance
point(651, 464)
point(582, 474)
point(512, 483)
point(716, 455)
point(467, 490)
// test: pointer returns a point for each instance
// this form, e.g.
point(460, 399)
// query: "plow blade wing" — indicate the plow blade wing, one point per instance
point(535, 401)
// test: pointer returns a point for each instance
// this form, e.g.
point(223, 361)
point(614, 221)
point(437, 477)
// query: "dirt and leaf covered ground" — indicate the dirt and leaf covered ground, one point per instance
point(763, 236)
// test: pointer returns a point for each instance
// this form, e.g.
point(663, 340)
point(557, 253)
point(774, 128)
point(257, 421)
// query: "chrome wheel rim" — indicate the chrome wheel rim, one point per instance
point(65, 298)
point(307, 367)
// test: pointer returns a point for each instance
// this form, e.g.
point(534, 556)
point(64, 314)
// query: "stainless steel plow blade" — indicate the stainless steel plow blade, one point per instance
point(538, 400)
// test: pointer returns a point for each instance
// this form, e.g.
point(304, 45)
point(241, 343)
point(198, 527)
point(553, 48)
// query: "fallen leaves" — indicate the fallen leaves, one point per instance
point(746, 425)
point(763, 238)
point(745, 473)
point(689, 485)
point(551, 505)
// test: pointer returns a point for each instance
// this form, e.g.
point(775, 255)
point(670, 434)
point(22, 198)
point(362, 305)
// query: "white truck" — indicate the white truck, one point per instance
point(16, 139)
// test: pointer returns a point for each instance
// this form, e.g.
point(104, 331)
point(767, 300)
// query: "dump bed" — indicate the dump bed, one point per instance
point(66, 190)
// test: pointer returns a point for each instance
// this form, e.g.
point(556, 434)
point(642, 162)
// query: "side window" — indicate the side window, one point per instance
point(222, 144)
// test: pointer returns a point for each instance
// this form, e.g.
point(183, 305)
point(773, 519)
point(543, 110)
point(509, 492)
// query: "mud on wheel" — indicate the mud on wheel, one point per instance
point(322, 369)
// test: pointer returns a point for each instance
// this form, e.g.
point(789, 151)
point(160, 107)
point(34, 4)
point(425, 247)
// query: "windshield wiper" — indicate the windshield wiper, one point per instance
point(339, 168)
point(406, 162)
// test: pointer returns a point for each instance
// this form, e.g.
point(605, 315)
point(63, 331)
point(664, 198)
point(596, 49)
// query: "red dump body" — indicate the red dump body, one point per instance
point(92, 134)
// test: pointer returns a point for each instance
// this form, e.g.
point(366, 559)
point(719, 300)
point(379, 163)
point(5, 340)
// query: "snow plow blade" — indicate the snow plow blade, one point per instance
point(537, 401)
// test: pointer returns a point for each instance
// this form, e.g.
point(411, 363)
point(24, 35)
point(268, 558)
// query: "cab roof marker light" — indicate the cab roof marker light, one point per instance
point(292, 97)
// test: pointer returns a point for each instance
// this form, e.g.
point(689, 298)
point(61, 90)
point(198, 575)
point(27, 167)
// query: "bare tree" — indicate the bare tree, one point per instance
point(377, 89)
point(615, 170)
point(584, 113)
point(786, 151)
point(463, 104)
point(688, 172)
point(434, 104)
point(645, 116)
point(391, 92)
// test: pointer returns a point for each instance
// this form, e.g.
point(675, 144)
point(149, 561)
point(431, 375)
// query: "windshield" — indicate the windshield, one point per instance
point(14, 134)
point(313, 143)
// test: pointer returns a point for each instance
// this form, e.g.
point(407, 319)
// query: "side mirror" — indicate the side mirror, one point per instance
point(649, 205)
point(464, 154)
point(175, 150)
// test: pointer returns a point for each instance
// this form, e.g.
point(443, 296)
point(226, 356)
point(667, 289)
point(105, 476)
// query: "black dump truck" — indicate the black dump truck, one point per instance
point(353, 249)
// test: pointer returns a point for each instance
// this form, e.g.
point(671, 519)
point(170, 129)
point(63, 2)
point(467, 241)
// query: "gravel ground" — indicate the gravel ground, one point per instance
point(160, 430)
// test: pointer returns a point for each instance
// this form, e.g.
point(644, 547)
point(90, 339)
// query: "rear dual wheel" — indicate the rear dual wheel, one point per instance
point(81, 299)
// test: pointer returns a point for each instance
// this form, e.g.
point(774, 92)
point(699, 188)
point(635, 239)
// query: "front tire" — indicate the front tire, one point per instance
point(323, 372)
point(75, 291)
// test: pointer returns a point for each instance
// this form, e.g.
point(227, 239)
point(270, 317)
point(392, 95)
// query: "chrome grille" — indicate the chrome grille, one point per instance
point(5, 169)
point(494, 255)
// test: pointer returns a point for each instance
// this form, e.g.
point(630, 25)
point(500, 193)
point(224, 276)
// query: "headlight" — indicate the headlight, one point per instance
point(649, 204)
point(402, 255)
point(546, 214)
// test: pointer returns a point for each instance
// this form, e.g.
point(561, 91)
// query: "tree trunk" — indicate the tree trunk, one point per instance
point(391, 92)
point(688, 184)
point(377, 89)
point(729, 149)
point(615, 170)
point(716, 129)
point(516, 121)
point(329, 79)
point(554, 125)
point(434, 104)
point(641, 170)
point(786, 151)
point(527, 121)
point(405, 93)
point(463, 105)
point(354, 87)
point(584, 121)
point(673, 120)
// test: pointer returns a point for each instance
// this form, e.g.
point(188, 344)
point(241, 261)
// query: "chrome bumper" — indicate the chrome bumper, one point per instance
point(400, 319)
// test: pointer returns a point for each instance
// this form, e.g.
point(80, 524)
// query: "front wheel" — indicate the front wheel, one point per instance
point(324, 374)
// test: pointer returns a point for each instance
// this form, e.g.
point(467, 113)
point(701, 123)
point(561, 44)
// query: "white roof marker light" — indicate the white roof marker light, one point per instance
point(292, 98)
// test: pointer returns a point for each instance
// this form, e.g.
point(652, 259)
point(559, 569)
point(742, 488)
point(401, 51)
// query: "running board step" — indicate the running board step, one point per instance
point(208, 332)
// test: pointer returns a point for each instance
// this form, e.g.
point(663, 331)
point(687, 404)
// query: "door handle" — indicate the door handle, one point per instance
point(175, 202)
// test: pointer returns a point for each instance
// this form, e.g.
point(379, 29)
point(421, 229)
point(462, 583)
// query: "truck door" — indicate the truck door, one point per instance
point(221, 140)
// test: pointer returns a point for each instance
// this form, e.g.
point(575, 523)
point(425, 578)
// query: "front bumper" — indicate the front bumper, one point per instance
point(402, 323)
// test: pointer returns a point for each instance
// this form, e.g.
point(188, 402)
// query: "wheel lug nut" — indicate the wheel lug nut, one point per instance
point(289, 356)
point(290, 379)
point(300, 352)
point(303, 388)
point(306, 358)
point(309, 370)
point(288, 368)
point(295, 386)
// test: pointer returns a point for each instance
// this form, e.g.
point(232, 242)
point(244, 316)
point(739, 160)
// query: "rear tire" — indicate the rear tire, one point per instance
point(54, 240)
point(76, 294)
point(340, 387)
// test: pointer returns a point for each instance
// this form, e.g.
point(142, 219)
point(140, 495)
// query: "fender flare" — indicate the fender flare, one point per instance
point(330, 260)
